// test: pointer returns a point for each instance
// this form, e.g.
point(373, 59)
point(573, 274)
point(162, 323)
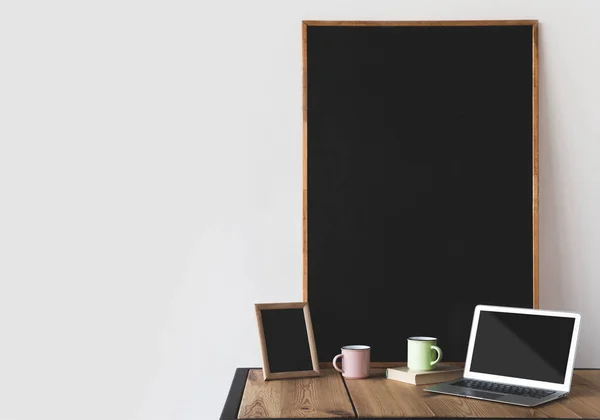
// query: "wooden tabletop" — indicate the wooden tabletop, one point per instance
point(330, 396)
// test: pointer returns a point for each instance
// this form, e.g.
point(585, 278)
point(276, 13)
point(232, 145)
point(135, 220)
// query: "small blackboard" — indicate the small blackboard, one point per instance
point(287, 340)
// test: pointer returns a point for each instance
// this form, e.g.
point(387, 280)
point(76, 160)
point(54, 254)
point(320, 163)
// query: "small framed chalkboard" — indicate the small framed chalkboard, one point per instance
point(287, 340)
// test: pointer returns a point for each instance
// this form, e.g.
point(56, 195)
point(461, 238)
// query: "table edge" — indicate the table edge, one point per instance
point(238, 384)
point(236, 392)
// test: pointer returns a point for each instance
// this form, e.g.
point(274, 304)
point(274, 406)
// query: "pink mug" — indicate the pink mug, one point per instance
point(356, 362)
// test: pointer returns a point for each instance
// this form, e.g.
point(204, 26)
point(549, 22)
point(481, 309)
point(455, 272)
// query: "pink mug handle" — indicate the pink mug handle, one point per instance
point(335, 366)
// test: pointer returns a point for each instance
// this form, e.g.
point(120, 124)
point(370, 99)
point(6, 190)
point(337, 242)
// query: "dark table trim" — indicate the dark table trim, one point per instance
point(236, 392)
point(234, 398)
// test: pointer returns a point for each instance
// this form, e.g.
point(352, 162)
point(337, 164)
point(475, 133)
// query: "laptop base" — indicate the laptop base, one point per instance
point(524, 401)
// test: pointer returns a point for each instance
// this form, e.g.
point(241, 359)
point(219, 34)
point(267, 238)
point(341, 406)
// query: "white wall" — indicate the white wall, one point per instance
point(150, 190)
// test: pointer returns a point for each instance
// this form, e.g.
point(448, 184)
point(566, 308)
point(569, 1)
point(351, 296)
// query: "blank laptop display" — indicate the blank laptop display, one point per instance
point(523, 346)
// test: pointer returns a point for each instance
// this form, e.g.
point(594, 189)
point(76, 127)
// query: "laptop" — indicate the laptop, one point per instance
point(517, 356)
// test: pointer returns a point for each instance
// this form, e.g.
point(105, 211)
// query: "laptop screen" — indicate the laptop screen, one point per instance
point(523, 346)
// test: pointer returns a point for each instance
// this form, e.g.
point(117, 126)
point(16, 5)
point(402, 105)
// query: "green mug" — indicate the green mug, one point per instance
point(421, 353)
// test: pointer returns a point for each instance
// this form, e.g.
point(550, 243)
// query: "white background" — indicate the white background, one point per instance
point(150, 190)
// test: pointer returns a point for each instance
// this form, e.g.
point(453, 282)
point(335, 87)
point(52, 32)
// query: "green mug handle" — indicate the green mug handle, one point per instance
point(439, 352)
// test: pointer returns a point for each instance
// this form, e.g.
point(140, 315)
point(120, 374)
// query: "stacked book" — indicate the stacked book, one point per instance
point(441, 373)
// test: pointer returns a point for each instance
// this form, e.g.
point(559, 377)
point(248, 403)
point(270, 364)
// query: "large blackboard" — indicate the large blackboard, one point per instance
point(420, 180)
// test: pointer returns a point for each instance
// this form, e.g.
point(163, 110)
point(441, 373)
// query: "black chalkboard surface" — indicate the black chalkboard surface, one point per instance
point(420, 177)
point(287, 340)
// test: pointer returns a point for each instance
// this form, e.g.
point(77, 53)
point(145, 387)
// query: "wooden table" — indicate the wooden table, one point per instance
point(330, 396)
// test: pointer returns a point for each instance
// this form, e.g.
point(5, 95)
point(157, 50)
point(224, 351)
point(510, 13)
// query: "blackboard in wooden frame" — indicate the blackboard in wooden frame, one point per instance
point(380, 98)
point(287, 340)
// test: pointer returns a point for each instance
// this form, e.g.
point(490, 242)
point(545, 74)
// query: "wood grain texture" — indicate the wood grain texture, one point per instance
point(380, 397)
point(536, 176)
point(592, 376)
point(280, 305)
point(261, 399)
point(263, 341)
point(449, 406)
point(557, 409)
point(419, 22)
point(304, 167)
point(582, 402)
point(322, 397)
point(311, 340)
point(377, 397)
point(585, 391)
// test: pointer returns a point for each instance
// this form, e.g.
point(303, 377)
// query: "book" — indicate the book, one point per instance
point(441, 373)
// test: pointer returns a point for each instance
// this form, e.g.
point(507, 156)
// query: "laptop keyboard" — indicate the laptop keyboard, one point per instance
point(503, 389)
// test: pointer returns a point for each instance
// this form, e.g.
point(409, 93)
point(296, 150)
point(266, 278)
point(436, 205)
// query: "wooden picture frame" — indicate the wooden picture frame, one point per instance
point(314, 359)
point(534, 136)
